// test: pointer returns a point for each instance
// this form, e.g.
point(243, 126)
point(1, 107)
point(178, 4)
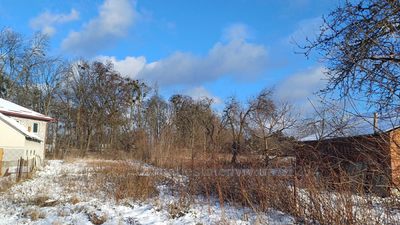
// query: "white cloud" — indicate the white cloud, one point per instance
point(235, 57)
point(308, 28)
point(113, 22)
point(129, 67)
point(47, 21)
point(237, 31)
point(301, 86)
point(200, 92)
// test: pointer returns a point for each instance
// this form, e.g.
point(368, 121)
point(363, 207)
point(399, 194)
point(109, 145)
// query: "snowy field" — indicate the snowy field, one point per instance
point(49, 198)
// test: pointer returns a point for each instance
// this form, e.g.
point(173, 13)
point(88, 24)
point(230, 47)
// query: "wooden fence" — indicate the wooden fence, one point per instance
point(21, 168)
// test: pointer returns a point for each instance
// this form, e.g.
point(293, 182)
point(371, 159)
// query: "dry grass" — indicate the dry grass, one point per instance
point(250, 190)
point(315, 202)
point(122, 180)
point(6, 183)
point(97, 219)
point(177, 209)
point(34, 214)
point(43, 201)
point(74, 200)
point(312, 201)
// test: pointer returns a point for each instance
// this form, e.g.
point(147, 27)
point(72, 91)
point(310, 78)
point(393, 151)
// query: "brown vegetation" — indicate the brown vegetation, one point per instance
point(102, 114)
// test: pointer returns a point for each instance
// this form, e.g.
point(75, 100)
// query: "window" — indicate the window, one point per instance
point(35, 127)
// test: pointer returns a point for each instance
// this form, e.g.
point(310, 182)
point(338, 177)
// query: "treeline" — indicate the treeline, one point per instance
point(98, 109)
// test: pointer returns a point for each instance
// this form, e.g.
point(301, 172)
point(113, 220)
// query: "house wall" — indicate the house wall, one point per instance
point(14, 145)
point(395, 156)
point(9, 137)
point(39, 149)
point(30, 150)
point(35, 150)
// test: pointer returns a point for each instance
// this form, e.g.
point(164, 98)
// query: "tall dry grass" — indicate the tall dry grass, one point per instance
point(309, 199)
point(305, 196)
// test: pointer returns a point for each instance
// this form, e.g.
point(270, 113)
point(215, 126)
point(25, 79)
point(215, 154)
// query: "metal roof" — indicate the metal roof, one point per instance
point(11, 109)
point(353, 126)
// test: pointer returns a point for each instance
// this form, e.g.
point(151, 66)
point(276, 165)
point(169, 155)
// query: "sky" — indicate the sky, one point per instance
point(208, 48)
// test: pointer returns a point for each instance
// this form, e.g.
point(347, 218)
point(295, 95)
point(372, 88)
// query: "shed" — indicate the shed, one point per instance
point(370, 158)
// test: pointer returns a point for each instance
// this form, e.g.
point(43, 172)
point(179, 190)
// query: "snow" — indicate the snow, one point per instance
point(7, 107)
point(20, 204)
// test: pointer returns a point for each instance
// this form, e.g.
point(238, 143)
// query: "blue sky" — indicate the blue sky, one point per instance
point(210, 48)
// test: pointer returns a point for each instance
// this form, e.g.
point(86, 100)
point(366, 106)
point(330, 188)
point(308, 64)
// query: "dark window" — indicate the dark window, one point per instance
point(35, 128)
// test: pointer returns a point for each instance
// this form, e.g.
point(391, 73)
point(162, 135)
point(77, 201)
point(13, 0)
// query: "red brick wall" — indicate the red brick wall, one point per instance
point(395, 156)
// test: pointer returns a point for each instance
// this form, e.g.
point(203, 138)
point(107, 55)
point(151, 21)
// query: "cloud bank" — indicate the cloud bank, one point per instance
point(300, 86)
point(235, 57)
point(113, 22)
point(47, 21)
point(200, 92)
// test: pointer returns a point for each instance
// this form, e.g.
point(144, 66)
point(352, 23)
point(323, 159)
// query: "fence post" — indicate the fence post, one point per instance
point(1, 161)
point(27, 168)
point(19, 168)
point(294, 166)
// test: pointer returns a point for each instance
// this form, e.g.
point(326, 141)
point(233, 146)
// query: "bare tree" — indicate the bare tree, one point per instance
point(360, 43)
point(156, 117)
point(94, 105)
point(269, 121)
point(235, 116)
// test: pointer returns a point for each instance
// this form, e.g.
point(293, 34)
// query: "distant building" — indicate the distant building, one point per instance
point(22, 135)
point(370, 158)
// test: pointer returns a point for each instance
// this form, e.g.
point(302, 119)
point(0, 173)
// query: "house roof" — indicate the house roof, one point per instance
point(19, 127)
point(355, 126)
point(11, 109)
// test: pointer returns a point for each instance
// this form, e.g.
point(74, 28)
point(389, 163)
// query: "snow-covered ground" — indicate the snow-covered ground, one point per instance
point(51, 197)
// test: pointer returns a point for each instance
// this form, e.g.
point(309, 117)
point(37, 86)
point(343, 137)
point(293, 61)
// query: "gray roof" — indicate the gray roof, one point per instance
point(352, 126)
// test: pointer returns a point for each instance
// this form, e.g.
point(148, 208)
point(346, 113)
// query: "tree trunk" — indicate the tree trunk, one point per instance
point(266, 155)
point(235, 151)
point(234, 157)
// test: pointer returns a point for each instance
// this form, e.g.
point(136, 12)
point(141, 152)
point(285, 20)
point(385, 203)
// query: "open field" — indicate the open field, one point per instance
point(99, 191)
point(117, 192)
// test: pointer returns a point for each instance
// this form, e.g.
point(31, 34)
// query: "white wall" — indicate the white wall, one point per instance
point(9, 137)
point(39, 149)
point(15, 145)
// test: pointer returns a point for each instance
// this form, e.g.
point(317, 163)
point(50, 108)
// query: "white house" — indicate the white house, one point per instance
point(22, 134)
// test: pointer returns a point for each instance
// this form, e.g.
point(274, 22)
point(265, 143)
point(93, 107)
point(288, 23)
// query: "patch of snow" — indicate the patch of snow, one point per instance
point(17, 204)
point(7, 107)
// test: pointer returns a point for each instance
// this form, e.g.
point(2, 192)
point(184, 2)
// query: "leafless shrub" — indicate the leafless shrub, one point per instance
point(74, 200)
point(34, 214)
point(178, 209)
point(43, 201)
point(97, 219)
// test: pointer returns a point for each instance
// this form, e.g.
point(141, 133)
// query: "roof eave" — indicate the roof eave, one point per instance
point(20, 115)
point(33, 139)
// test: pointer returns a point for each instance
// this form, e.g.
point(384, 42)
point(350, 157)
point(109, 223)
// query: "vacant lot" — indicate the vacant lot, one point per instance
point(117, 192)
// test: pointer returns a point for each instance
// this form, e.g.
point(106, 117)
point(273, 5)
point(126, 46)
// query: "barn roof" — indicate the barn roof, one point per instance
point(19, 127)
point(354, 126)
point(11, 109)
